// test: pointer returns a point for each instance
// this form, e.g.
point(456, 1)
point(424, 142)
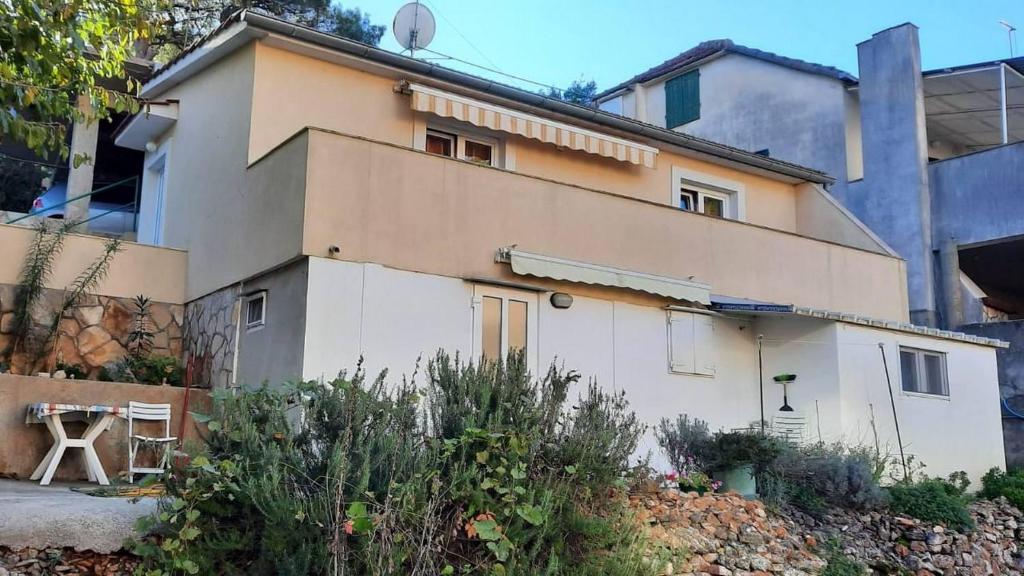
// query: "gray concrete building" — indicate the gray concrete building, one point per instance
point(931, 160)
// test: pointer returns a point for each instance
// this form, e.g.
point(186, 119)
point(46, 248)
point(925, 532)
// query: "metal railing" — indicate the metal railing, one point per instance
point(120, 208)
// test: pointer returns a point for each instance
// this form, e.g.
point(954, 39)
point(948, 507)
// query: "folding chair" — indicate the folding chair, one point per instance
point(789, 426)
point(150, 413)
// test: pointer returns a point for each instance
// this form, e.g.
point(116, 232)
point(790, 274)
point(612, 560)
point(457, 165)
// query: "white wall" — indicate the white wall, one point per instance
point(961, 432)
point(393, 316)
point(805, 347)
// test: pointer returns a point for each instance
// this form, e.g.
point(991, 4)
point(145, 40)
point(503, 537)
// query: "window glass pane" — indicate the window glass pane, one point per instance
point(491, 345)
point(934, 374)
point(516, 325)
point(254, 311)
point(440, 144)
point(478, 152)
point(908, 369)
point(686, 200)
point(714, 206)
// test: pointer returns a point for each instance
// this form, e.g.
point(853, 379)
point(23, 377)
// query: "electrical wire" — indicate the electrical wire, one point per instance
point(461, 35)
point(493, 70)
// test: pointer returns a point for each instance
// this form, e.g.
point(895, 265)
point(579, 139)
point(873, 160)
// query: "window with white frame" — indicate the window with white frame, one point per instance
point(923, 371)
point(706, 194)
point(694, 199)
point(504, 321)
point(471, 147)
point(255, 310)
point(691, 343)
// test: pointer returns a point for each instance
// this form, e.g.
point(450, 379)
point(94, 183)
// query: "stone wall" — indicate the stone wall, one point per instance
point(93, 333)
point(210, 329)
point(725, 535)
point(721, 534)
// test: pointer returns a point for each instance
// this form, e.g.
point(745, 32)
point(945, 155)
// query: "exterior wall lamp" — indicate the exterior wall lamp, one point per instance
point(561, 300)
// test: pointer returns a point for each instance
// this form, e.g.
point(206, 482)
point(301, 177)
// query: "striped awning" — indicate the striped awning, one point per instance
point(477, 113)
point(542, 266)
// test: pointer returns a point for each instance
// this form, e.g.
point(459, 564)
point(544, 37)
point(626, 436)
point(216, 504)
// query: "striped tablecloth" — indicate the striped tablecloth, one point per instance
point(39, 410)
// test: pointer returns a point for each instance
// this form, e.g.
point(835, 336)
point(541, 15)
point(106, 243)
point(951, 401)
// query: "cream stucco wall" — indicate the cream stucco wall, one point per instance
point(235, 219)
point(158, 273)
point(293, 91)
point(420, 212)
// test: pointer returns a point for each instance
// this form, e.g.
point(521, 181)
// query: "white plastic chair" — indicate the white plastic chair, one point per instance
point(150, 413)
point(789, 426)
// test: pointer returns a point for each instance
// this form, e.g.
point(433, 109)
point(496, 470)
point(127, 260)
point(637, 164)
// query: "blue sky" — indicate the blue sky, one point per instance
point(556, 41)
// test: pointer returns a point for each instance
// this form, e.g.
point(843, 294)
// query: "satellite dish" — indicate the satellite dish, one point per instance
point(414, 26)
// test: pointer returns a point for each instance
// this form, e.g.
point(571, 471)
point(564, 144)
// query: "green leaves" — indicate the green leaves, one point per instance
point(54, 55)
point(359, 518)
point(532, 514)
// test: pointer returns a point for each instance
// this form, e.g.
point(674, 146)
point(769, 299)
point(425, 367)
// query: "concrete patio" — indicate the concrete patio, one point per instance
point(34, 516)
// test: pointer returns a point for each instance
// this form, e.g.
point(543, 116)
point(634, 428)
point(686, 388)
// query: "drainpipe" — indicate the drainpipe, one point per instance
point(950, 263)
point(237, 313)
point(1002, 102)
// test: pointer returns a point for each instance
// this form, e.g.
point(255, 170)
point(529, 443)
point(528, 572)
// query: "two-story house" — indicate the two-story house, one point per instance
point(337, 201)
point(929, 159)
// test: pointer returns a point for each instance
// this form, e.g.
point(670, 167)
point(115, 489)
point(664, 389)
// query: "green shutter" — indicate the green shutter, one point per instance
point(682, 99)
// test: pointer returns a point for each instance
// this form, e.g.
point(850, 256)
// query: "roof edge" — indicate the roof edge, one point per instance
point(252, 20)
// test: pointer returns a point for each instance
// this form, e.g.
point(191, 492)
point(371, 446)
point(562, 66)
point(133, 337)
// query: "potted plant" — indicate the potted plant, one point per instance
point(739, 457)
point(690, 478)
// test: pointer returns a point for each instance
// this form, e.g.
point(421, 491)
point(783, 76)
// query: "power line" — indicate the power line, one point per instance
point(493, 70)
point(463, 36)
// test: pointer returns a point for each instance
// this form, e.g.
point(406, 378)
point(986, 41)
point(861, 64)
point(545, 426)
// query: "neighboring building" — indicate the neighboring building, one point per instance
point(931, 161)
point(336, 201)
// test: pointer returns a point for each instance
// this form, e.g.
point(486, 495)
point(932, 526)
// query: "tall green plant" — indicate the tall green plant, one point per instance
point(85, 282)
point(36, 270)
point(483, 470)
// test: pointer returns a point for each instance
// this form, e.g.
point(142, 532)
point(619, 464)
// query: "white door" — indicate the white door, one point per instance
point(160, 173)
point(504, 319)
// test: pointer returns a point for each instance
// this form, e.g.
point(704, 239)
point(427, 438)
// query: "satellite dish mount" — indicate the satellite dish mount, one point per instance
point(414, 27)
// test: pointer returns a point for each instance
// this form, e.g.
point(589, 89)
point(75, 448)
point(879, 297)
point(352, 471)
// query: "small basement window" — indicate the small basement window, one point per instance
point(923, 372)
point(255, 310)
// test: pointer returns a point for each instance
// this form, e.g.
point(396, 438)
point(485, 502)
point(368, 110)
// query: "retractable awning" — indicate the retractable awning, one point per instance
point(485, 115)
point(528, 264)
point(743, 306)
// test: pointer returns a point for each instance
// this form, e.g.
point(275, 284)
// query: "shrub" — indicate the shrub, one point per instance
point(730, 450)
point(931, 500)
point(684, 440)
point(996, 483)
point(149, 369)
point(818, 475)
point(484, 470)
point(839, 564)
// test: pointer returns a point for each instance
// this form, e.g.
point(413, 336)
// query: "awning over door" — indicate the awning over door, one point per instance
point(478, 113)
point(540, 266)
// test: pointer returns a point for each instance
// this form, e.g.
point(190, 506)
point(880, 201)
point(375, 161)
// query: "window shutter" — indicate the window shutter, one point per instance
point(704, 344)
point(682, 99)
point(680, 342)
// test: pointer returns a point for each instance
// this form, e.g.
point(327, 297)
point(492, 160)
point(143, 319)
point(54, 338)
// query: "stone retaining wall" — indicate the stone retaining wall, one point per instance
point(727, 535)
point(95, 332)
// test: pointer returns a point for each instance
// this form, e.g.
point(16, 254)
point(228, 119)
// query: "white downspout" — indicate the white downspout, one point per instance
point(1002, 102)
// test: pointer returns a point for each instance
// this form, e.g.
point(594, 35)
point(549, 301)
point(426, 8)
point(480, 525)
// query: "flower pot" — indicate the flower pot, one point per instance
point(739, 479)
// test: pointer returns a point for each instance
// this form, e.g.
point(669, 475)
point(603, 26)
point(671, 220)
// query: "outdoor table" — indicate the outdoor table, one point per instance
point(99, 417)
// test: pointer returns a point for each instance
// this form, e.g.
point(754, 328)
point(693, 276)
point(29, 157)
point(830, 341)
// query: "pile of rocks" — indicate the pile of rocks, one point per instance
point(894, 544)
point(33, 562)
point(722, 535)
